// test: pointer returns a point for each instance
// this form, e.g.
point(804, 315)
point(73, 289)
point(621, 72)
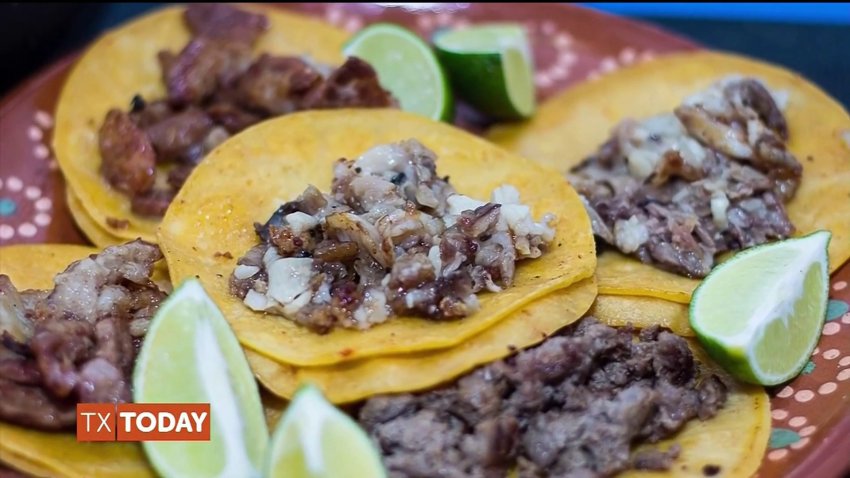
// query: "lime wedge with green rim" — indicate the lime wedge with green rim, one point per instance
point(316, 440)
point(760, 313)
point(190, 355)
point(407, 67)
point(490, 66)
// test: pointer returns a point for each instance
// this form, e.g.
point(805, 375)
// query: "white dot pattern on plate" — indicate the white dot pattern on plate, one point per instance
point(34, 133)
point(777, 455)
point(800, 444)
point(6, 231)
point(43, 204)
point(827, 388)
point(779, 414)
point(43, 119)
point(797, 422)
point(843, 375)
point(14, 184)
point(840, 285)
point(41, 219)
point(804, 396)
point(785, 392)
point(831, 328)
point(41, 151)
point(27, 230)
point(831, 354)
point(844, 361)
point(804, 432)
point(32, 192)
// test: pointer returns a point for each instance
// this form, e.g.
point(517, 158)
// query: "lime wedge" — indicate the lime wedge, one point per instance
point(316, 440)
point(190, 355)
point(490, 67)
point(760, 313)
point(407, 67)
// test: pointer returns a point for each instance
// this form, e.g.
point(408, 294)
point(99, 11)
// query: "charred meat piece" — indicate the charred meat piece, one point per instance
point(277, 85)
point(354, 84)
point(575, 405)
point(128, 155)
point(203, 66)
point(82, 348)
point(180, 137)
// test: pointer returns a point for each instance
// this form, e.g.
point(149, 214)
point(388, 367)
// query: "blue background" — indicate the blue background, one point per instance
point(786, 12)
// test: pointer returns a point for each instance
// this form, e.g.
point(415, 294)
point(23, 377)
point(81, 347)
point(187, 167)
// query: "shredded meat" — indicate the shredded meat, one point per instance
point(216, 88)
point(392, 239)
point(575, 405)
point(84, 340)
point(677, 189)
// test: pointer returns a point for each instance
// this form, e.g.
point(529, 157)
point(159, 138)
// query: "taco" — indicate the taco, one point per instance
point(701, 154)
point(591, 401)
point(210, 233)
point(148, 100)
point(34, 420)
point(37, 427)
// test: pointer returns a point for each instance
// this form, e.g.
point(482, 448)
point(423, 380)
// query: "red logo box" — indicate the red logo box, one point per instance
point(96, 422)
point(163, 422)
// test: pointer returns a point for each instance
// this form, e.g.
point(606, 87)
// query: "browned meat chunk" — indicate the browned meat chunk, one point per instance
point(277, 85)
point(201, 67)
point(82, 348)
point(353, 85)
point(220, 21)
point(574, 406)
point(128, 155)
point(180, 137)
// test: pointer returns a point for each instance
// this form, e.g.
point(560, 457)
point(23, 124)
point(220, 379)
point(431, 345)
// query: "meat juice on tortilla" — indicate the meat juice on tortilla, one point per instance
point(392, 238)
point(676, 189)
point(76, 343)
point(216, 88)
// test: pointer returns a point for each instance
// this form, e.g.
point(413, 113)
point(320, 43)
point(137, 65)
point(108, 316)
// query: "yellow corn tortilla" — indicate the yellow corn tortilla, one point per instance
point(349, 382)
point(571, 126)
point(642, 312)
point(122, 63)
point(734, 440)
point(249, 176)
point(43, 453)
point(95, 233)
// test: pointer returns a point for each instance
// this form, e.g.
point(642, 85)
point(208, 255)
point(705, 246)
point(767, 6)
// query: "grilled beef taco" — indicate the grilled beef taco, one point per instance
point(405, 254)
point(150, 99)
point(691, 156)
point(39, 388)
point(591, 400)
point(37, 413)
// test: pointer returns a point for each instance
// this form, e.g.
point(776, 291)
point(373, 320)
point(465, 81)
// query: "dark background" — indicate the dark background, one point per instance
point(34, 35)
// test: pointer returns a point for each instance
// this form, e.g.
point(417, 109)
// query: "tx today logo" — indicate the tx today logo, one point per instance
point(143, 422)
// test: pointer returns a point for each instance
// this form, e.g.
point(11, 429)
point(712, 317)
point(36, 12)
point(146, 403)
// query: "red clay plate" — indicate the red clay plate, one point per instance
point(811, 415)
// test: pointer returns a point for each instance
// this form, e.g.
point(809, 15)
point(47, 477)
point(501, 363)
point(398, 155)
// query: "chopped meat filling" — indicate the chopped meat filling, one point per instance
point(575, 405)
point(216, 88)
point(392, 238)
point(78, 342)
point(674, 190)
